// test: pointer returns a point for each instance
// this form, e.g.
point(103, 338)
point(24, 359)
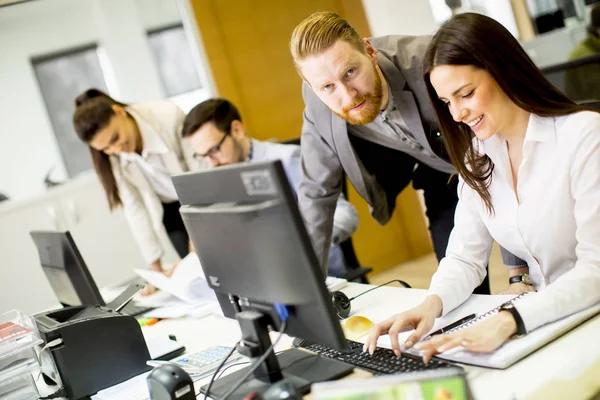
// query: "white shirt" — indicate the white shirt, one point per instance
point(153, 168)
point(554, 225)
point(345, 220)
point(165, 152)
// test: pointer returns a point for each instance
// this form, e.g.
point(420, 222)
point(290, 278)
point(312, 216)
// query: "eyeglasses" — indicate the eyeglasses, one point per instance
point(216, 149)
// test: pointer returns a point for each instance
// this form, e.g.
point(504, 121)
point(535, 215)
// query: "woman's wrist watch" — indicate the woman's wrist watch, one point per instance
point(524, 278)
point(521, 331)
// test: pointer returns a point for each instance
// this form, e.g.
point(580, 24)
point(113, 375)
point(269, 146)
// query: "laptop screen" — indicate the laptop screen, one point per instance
point(65, 269)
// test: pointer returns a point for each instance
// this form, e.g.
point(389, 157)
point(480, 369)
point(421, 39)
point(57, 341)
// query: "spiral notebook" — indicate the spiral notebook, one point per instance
point(513, 350)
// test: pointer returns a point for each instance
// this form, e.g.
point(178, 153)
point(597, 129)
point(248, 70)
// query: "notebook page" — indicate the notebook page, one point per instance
point(478, 304)
point(514, 350)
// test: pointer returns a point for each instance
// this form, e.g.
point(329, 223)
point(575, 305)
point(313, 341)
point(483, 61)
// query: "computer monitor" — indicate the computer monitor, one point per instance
point(65, 269)
point(255, 252)
point(577, 79)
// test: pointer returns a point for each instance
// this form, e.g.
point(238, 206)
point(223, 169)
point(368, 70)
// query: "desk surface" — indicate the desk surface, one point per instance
point(569, 367)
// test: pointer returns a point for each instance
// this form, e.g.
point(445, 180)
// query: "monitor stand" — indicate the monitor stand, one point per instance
point(300, 368)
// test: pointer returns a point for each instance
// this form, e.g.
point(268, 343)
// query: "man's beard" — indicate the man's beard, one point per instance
point(371, 108)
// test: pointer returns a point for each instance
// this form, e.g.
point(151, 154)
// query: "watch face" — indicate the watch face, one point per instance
point(525, 279)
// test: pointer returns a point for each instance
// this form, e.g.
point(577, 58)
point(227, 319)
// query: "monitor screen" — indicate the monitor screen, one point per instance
point(65, 269)
point(253, 246)
point(578, 79)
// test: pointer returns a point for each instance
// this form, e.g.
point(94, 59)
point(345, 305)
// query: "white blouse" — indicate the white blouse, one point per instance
point(553, 224)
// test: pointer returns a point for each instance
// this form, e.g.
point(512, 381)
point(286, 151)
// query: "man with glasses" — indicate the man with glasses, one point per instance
point(218, 137)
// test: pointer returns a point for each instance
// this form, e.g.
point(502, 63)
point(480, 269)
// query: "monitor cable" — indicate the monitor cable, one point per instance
point(212, 379)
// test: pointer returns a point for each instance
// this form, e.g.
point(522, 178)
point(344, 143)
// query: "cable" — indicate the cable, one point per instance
point(212, 379)
point(59, 393)
point(252, 368)
point(51, 343)
point(232, 365)
point(406, 285)
point(247, 362)
point(222, 372)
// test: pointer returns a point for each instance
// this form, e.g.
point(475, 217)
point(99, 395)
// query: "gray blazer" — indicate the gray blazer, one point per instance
point(327, 151)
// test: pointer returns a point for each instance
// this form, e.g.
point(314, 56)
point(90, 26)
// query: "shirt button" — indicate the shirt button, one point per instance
point(438, 134)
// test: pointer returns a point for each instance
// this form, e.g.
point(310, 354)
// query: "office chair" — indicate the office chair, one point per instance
point(354, 271)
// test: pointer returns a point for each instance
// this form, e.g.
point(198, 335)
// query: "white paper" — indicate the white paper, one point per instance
point(187, 282)
point(135, 388)
point(334, 283)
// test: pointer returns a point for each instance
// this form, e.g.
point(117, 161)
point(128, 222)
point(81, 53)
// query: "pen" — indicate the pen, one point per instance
point(452, 325)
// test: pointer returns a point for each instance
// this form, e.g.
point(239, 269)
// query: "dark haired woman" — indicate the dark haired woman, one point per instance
point(135, 149)
point(529, 166)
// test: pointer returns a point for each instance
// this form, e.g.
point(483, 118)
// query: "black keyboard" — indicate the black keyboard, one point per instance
point(382, 362)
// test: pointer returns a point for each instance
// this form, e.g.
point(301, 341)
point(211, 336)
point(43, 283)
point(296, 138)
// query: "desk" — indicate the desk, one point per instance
point(574, 356)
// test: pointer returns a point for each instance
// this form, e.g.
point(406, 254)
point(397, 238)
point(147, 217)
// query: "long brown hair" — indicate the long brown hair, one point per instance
point(479, 41)
point(93, 111)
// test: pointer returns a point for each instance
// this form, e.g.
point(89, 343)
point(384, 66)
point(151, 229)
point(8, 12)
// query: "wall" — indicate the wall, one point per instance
point(406, 17)
point(27, 143)
point(554, 47)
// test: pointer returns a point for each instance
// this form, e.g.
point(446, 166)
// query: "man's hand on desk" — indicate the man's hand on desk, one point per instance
point(420, 318)
point(483, 337)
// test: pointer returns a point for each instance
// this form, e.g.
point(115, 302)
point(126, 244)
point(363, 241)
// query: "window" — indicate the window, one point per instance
point(174, 60)
point(61, 78)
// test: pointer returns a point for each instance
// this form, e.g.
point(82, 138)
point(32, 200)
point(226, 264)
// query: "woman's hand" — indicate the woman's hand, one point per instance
point(156, 266)
point(483, 337)
point(148, 290)
point(420, 318)
point(518, 288)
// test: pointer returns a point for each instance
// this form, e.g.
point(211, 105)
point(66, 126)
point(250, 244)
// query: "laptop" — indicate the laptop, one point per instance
point(69, 276)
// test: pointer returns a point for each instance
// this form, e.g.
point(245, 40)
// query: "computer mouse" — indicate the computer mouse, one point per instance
point(357, 326)
point(170, 382)
point(341, 304)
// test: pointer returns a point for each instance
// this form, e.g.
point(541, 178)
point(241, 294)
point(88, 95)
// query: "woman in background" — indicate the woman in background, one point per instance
point(529, 166)
point(135, 149)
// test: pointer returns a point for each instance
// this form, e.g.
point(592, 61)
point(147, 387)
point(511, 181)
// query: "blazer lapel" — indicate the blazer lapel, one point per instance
point(352, 165)
point(404, 99)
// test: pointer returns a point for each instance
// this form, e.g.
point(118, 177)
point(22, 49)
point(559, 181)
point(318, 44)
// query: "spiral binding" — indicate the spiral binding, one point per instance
point(484, 316)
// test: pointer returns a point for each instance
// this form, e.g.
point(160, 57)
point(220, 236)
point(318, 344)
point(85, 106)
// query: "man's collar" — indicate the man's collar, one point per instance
point(251, 153)
point(391, 74)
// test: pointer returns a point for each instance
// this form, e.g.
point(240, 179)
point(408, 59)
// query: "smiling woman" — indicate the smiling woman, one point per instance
point(529, 162)
point(135, 149)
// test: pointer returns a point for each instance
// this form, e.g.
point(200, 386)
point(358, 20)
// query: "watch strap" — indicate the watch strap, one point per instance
point(515, 279)
point(521, 331)
point(520, 278)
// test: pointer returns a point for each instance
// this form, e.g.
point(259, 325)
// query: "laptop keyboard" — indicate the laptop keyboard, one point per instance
point(382, 362)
